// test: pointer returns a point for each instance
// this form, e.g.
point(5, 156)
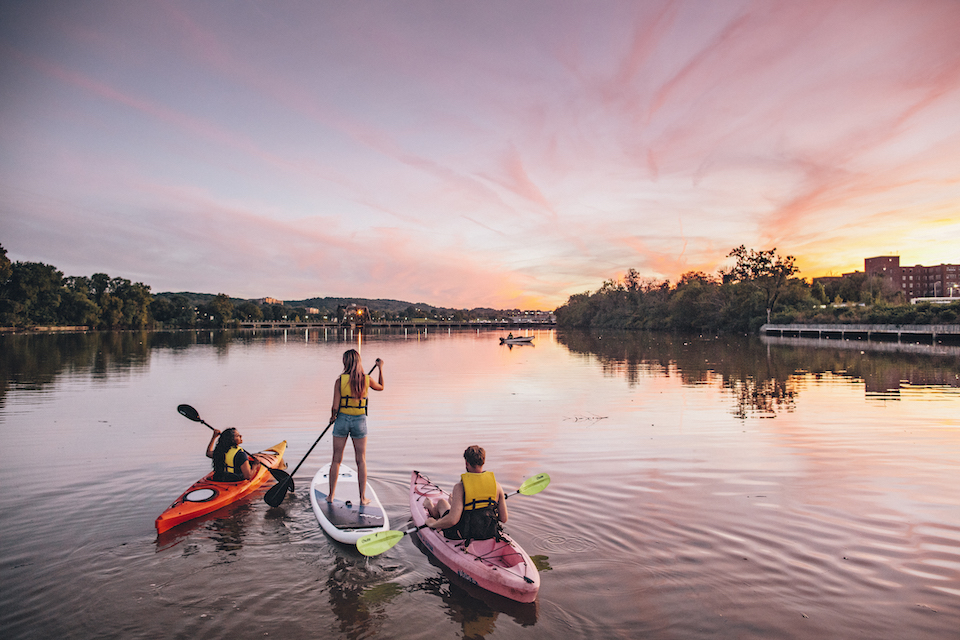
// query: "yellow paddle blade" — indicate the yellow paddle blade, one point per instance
point(533, 485)
point(376, 543)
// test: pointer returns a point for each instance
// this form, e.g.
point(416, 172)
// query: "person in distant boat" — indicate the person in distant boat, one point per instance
point(510, 336)
point(350, 412)
point(477, 506)
point(230, 462)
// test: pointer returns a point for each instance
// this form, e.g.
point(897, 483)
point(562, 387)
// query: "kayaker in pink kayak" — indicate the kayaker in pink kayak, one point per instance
point(350, 412)
point(230, 462)
point(479, 504)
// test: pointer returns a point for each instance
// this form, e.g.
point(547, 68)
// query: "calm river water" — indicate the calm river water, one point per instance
point(701, 488)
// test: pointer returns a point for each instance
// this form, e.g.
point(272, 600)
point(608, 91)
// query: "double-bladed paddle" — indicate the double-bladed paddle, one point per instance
point(191, 414)
point(376, 543)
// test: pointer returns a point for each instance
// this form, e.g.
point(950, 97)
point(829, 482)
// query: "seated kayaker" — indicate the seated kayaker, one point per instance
point(230, 462)
point(478, 503)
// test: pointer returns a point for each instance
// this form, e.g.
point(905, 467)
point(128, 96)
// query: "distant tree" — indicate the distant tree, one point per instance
point(111, 311)
point(248, 311)
point(136, 302)
point(6, 267)
point(185, 313)
point(220, 309)
point(31, 294)
point(76, 306)
point(766, 271)
point(163, 310)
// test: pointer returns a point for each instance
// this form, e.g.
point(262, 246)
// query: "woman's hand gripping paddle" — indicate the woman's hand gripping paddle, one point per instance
point(376, 543)
point(191, 414)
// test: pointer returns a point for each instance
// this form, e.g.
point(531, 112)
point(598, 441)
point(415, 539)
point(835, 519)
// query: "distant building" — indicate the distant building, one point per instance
point(263, 301)
point(540, 317)
point(918, 281)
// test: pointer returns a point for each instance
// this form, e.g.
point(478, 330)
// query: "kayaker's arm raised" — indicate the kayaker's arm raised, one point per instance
point(213, 443)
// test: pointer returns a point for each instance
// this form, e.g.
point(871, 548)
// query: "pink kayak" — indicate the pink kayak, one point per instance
point(501, 567)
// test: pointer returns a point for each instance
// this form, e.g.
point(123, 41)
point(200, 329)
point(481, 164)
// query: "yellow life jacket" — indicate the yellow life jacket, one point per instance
point(479, 490)
point(228, 459)
point(349, 405)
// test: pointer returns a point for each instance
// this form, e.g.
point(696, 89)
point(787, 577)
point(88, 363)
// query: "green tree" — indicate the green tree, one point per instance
point(765, 271)
point(76, 307)
point(218, 311)
point(31, 295)
point(248, 311)
point(6, 267)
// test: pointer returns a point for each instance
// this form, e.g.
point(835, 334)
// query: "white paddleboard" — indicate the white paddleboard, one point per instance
point(345, 519)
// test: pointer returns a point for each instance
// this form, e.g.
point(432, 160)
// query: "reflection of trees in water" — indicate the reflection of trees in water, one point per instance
point(762, 378)
point(31, 360)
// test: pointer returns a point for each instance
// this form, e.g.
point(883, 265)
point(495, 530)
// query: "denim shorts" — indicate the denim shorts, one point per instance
point(347, 425)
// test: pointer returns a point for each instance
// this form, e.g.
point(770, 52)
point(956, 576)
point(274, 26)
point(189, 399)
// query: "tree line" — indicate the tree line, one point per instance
point(761, 287)
point(36, 294)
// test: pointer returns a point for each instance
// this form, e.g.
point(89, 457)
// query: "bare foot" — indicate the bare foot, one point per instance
point(364, 501)
point(330, 499)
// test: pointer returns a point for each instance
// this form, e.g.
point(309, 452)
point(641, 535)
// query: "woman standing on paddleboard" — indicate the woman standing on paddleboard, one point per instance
point(350, 412)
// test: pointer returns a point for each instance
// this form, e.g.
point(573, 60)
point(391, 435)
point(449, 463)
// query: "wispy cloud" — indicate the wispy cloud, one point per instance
point(495, 154)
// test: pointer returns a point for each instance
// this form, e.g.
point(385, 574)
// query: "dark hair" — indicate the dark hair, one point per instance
point(227, 440)
point(475, 455)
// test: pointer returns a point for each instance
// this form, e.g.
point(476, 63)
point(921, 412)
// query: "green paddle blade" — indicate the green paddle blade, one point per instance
point(376, 543)
point(533, 485)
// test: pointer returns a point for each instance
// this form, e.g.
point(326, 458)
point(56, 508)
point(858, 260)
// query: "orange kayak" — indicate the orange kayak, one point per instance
point(205, 495)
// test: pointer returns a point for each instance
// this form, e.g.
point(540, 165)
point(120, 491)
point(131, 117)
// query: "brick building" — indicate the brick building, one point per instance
point(918, 281)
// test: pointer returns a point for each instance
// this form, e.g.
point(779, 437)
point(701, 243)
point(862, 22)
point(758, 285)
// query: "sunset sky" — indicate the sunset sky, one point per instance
point(462, 154)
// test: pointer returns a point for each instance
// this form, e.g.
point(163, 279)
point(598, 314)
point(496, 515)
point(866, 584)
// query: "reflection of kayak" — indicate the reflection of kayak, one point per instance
point(345, 519)
point(517, 340)
point(499, 566)
point(205, 495)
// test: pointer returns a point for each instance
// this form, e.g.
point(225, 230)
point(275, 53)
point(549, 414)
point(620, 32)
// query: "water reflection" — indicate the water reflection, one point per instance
point(765, 376)
point(474, 609)
point(31, 361)
point(357, 604)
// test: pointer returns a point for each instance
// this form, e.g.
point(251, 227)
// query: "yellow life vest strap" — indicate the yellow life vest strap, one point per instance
point(228, 459)
point(348, 404)
point(479, 490)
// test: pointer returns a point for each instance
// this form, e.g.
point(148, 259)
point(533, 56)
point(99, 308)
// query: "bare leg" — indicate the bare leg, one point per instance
point(360, 451)
point(435, 511)
point(338, 446)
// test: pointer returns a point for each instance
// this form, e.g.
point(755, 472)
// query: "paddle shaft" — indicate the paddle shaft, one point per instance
point(334, 419)
point(315, 442)
point(278, 492)
point(377, 543)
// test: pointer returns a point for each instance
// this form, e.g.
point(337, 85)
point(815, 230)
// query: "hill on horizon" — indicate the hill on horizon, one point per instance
point(326, 303)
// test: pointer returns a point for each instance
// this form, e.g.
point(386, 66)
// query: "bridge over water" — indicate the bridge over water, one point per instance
point(493, 324)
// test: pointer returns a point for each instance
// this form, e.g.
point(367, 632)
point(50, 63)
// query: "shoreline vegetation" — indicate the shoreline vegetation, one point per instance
point(761, 288)
point(38, 297)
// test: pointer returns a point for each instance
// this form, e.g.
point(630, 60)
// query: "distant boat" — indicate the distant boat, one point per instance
point(516, 340)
